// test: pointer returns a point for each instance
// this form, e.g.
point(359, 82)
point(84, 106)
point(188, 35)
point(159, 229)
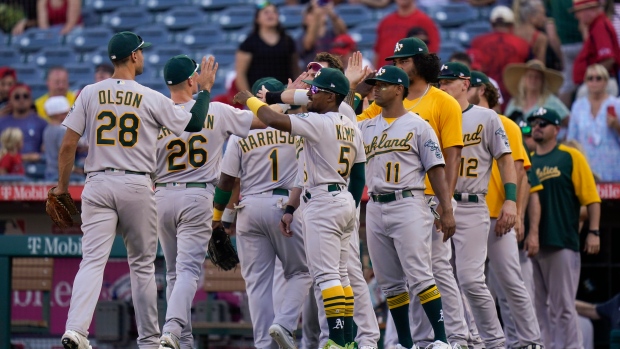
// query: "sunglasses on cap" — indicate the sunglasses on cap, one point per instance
point(262, 4)
point(314, 90)
point(595, 78)
point(19, 96)
point(314, 66)
point(540, 123)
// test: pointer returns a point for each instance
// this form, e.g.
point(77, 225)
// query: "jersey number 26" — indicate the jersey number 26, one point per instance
point(197, 156)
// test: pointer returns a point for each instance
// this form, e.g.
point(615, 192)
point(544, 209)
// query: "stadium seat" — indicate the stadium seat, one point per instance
point(182, 18)
point(78, 85)
point(447, 49)
point(53, 56)
point(291, 16)
point(80, 72)
point(484, 13)
point(364, 35)
point(34, 39)
point(158, 56)
point(296, 33)
point(35, 171)
point(239, 35)
point(162, 5)
point(466, 33)
point(155, 34)
point(201, 38)
point(380, 13)
point(28, 73)
point(12, 178)
point(216, 5)
point(127, 18)
point(9, 56)
point(218, 88)
point(453, 14)
point(96, 57)
point(89, 39)
point(156, 84)
point(90, 17)
point(354, 14)
point(108, 5)
point(236, 17)
point(224, 54)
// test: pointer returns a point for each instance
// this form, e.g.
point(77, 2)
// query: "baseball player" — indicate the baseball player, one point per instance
point(484, 140)
point(444, 115)
point(503, 251)
point(187, 170)
point(367, 326)
point(401, 148)
point(121, 120)
point(332, 153)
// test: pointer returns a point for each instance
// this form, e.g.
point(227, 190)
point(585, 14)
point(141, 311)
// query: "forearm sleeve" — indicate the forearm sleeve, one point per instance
point(357, 181)
point(199, 112)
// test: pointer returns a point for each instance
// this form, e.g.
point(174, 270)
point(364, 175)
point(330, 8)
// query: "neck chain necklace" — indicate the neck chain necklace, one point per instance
point(428, 86)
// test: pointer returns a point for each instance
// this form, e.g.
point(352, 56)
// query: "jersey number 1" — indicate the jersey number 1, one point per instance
point(127, 129)
point(273, 156)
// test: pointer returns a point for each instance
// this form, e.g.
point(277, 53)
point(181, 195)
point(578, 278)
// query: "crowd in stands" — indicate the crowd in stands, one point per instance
point(537, 52)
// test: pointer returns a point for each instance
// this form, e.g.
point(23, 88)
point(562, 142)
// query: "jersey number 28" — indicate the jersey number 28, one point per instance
point(128, 125)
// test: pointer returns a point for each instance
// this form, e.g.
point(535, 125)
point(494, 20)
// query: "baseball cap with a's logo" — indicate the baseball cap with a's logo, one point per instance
point(178, 69)
point(479, 78)
point(453, 71)
point(408, 47)
point(123, 44)
point(391, 75)
point(330, 79)
point(546, 114)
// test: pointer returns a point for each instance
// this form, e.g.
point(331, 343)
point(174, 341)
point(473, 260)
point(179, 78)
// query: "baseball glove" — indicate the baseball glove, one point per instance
point(221, 250)
point(60, 208)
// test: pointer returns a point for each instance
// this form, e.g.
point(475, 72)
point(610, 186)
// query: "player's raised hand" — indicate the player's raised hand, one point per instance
point(206, 77)
point(507, 218)
point(285, 225)
point(298, 83)
point(363, 88)
point(355, 71)
point(262, 93)
point(242, 97)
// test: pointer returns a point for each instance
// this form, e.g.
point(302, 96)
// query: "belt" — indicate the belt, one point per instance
point(125, 171)
point(466, 197)
point(187, 185)
point(330, 188)
point(280, 191)
point(383, 198)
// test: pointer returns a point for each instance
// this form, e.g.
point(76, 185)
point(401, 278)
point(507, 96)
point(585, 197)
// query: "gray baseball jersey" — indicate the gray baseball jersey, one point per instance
point(484, 139)
point(125, 122)
point(322, 164)
point(389, 149)
point(196, 157)
point(247, 158)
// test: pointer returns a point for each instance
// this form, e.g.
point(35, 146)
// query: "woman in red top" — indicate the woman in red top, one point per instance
point(59, 12)
point(11, 141)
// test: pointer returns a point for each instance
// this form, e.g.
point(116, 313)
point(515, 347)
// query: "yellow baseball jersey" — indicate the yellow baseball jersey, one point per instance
point(496, 194)
point(39, 103)
point(440, 110)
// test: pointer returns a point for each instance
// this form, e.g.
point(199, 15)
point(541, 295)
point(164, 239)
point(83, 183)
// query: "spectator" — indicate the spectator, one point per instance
point(24, 118)
point(567, 184)
point(494, 51)
point(530, 19)
point(267, 51)
point(57, 108)
point(601, 45)
point(59, 12)
point(103, 71)
point(318, 35)
point(344, 46)
point(8, 78)
point(395, 26)
point(17, 15)
point(11, 142)
point(532, 87)
point(608, 311)
point(594, 123)
point(57, 85)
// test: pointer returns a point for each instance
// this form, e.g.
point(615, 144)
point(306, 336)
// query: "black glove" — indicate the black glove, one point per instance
point(221, 250)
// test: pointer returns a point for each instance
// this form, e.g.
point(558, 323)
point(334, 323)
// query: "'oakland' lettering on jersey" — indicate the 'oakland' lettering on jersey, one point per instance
point(122, 97)
point(384, 145)
point(269, 137)
point(547, 172)
point(473, 138)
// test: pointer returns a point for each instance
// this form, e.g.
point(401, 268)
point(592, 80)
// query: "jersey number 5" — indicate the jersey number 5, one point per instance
point(344, 159)
point(196, 156)
point(128, 125)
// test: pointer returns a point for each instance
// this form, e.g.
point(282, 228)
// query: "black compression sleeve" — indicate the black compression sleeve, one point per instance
point(199, 112)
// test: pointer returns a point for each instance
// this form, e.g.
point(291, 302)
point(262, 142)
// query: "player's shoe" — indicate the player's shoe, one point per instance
point(532, 346)
point(458, 346)
point(169, 341)
point(282, 336)
point(74, 340)
point(398, 346)
point(332, 345)
point(352, 345)
point(367, 347)
point(438, 345)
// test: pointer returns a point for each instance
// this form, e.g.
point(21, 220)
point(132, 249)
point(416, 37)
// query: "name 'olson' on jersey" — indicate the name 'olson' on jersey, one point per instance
point(128, 98)
point(267, 137)
point(164, 132)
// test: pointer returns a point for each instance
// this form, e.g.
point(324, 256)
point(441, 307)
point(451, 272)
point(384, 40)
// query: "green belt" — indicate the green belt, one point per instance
point(126, 172)
point(330, 188)
point(383, 198)
point(187, 185)
point(280, 191)
point(470, 197)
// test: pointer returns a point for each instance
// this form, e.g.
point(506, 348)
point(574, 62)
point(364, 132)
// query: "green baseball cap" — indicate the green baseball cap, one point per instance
point(122, 44)
point(179, 68)
point(546, 114)
point(271, 84)
point(479, 78)
point(453, 71)
point(330, 79)
point(390, 74)
point(408, 47)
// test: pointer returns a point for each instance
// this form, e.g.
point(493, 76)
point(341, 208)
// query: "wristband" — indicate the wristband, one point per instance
point(221, 197)
point(254, 104)
point(229, 215)
point(289, 209)
point(301, 97)
point(217, 214)
point(285, 107)
point(273, 97)
point(594, 232)
point(511, 191)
